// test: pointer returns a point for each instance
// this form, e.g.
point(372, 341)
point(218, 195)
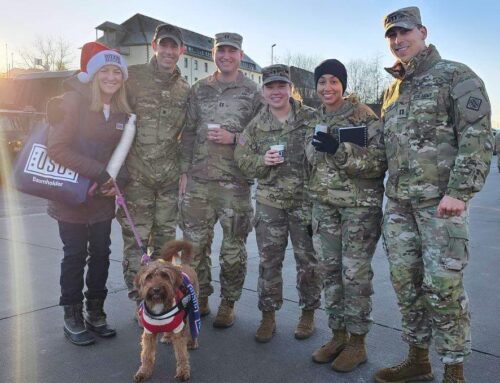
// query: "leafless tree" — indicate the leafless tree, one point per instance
point(299, 60)
point(49, 53)
point(367, 78)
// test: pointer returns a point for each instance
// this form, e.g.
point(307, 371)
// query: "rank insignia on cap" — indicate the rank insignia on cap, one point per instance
point(474, 103)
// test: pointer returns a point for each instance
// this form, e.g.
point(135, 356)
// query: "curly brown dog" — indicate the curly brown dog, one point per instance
point(160, 286)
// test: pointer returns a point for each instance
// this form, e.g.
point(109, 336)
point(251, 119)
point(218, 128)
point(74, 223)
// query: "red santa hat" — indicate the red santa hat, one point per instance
point(96, 55)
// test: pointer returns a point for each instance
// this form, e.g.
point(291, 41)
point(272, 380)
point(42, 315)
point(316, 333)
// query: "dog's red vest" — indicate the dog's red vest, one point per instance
point(171, 321)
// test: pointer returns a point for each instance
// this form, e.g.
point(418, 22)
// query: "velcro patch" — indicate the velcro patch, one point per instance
point(474, 103)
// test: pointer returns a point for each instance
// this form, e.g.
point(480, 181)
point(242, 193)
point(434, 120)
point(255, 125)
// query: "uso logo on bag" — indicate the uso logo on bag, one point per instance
point(39, 164)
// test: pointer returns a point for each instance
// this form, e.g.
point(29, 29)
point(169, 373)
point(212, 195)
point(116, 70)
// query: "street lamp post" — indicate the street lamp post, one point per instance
point(272, 53)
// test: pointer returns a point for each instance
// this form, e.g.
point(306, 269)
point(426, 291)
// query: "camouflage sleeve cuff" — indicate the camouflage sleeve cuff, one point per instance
point(458, 194)
point(340, 157)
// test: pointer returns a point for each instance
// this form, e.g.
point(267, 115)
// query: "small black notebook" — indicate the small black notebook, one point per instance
point(356, 134)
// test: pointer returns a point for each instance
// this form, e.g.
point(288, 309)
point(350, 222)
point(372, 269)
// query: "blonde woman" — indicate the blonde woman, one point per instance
point(86, 125)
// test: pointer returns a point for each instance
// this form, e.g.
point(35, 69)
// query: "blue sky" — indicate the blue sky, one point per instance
point(462, 30)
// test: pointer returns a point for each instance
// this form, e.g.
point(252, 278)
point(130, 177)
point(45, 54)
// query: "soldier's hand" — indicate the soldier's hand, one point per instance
point(272, 158)
point(450, 206)
point(182, 184)
point(221, 136)
point(324, 142)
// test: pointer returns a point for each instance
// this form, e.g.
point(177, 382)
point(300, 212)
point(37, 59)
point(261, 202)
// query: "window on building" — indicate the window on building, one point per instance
point(195, 64)
point(259, 79)
point(195, 79)
point(206, 67)
point(186, 77)
point(185, 62)
point(252, 76)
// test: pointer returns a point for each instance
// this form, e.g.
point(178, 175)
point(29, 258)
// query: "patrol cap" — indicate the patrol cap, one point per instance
point(276, 72)
point(168, 30)
point(407, 18)
point(228, 38)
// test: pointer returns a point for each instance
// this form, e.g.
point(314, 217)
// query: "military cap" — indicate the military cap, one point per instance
point(228, 38)
point(168, 30)
point(276, 72)
point(407, 18)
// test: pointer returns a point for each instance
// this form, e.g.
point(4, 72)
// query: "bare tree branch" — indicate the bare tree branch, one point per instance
point(47, 52)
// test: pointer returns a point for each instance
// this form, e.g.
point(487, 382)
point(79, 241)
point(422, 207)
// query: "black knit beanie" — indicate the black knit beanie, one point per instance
point(333, 67)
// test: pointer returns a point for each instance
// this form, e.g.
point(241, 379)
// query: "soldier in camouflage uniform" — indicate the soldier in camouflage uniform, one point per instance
point(158, 95)
point(280, 208)
point(438, 139)
point(346, 185)
point(216, 189)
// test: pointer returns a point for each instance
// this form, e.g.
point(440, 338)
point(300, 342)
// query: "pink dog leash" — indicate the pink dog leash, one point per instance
point(120, 200)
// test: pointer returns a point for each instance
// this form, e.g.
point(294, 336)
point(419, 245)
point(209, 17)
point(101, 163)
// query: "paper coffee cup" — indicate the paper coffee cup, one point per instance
point(213, 126)
point(320, 128)
point(280, 148)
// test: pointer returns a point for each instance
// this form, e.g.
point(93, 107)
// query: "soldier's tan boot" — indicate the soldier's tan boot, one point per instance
point(416, 367)
point(204, 307)
point(225, 314)
point(305, 327)
point(329, 351)
point(454, 373)
point(352, 355)
point(267, 327)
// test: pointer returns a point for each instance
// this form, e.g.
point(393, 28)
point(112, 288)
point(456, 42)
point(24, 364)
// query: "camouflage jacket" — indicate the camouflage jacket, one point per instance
point(232, 105)
point(354, 175)
point(160, 101)
point(282, 185)
point(497, 143)
point(437, 130)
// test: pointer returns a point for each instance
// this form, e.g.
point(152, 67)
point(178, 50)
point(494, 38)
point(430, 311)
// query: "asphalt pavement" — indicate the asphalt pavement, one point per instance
point(34, 349)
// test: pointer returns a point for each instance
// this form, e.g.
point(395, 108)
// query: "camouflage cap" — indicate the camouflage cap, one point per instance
point(228, 38)
point(276, 72)
point(407, 18)
point(168, 30)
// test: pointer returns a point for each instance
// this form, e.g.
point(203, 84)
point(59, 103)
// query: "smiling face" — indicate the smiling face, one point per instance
point(167, 53)
point(110, 79)
point(330, 91)
point(405, 44)
point(227, 59)
point(277, 94)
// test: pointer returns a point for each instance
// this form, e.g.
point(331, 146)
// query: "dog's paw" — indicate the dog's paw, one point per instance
point(183, 374)
point(193, 345)
point(166, 338)
point(141, 375)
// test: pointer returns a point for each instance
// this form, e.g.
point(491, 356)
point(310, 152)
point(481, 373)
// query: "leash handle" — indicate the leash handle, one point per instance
point(120, 200)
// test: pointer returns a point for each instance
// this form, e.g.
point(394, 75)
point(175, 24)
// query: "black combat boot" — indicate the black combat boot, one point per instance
point(95, 318)
point(74, 328)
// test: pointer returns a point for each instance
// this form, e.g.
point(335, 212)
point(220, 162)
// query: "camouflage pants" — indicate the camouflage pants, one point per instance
point(204, 203)
point(345, 239)
point(427, 256)
point(272, 226)
point(154, 212)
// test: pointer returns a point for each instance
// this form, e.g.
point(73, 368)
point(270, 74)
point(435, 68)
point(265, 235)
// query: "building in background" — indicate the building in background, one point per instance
point(133, 40)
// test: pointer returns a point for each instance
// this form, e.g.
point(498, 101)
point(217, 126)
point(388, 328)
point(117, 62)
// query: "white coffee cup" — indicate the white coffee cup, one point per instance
point(213, 126)
point(320, 128)
point(280, 148)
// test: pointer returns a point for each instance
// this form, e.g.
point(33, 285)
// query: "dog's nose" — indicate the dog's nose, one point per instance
point(156, 290)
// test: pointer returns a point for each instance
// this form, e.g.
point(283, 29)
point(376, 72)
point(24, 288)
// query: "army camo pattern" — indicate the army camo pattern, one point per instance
point(497, 148)
point(353, 176)
point(159, 100)
point(347, 189)
point(281, 208)
point(433, 152)
point(216, 188)
point(439, 142)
